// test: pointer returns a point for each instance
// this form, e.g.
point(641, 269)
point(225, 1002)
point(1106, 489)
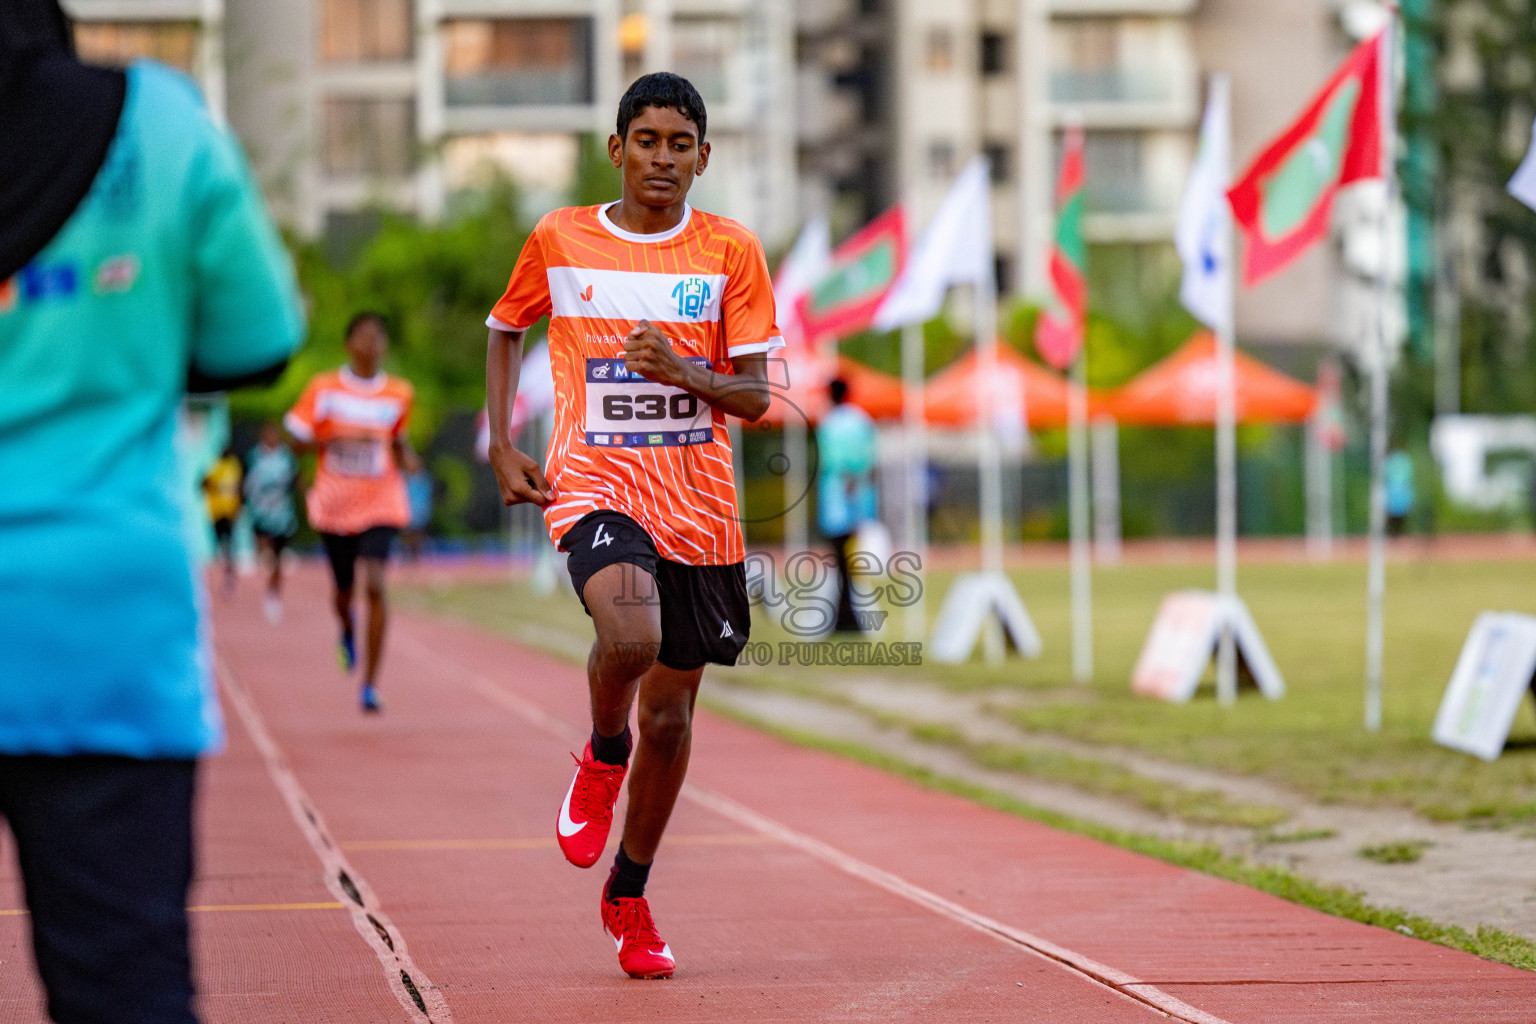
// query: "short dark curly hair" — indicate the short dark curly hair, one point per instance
point(662, 89)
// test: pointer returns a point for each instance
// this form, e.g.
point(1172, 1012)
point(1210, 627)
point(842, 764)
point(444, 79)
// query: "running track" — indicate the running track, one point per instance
point(793, 886)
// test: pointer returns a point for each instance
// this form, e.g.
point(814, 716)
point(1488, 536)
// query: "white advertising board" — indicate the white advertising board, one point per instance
point(1492, 674)
point(968, 606)
point(1183, 639)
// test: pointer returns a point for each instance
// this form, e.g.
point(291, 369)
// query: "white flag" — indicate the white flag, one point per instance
point(956, 249)
point(1204, 234)
point(1523, 185)
point(806, 264)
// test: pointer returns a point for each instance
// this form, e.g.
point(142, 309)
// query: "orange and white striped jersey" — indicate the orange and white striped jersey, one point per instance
point(355, 421)
point(621, 443)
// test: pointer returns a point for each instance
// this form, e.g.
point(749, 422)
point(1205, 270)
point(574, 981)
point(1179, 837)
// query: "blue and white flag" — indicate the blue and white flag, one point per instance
point(1204, 233)
point(1523, 185)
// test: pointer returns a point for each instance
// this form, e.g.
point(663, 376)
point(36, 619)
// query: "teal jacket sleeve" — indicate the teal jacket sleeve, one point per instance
point(247, 313)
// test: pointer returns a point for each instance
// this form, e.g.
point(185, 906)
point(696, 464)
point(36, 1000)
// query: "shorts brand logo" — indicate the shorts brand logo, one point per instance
point(725, 630)
point(602, 537)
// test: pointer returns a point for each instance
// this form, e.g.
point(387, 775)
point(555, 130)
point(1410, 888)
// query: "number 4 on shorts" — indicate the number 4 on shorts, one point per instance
point(602, 536)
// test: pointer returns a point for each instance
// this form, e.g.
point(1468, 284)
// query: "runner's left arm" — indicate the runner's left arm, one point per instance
point(744, 394)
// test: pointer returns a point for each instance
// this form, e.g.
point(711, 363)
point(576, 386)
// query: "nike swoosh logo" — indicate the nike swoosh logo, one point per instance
point(566, 826)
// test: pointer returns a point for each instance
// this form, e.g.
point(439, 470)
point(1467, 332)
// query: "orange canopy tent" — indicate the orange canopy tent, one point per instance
point(878, 394)
point(954, 393)
point(1181, 391)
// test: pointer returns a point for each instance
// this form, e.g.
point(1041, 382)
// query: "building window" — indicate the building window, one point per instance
point(519, 61)
point(352, 31)
point(939, 51)
point(1113, 166)
point(703, 51)
point(1106, 60)
point(118, 44)
point(999, 161)
point(369, 137)
point(941, 160)
point(994, 53)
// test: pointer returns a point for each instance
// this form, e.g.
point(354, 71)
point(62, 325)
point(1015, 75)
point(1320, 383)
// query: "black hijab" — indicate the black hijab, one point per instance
point(57, 120)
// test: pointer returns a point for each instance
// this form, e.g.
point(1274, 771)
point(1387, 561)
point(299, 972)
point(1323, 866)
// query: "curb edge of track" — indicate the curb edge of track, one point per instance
point(405, 978)
point(1125, 985)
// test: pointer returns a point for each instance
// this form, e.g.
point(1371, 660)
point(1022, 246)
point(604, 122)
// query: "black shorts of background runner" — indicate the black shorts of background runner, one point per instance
point(223, 529)
point(105, 847)
point(344, 549)
point(278, 542)
point(705, 613)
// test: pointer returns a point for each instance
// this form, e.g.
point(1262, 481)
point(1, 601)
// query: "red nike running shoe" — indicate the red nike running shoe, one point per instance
point(628, 923)
point(587, 814)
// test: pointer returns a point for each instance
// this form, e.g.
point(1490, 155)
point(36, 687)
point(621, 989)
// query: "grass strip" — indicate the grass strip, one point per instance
point(1487, 942)
point(1195, 806)
point(1406, 851)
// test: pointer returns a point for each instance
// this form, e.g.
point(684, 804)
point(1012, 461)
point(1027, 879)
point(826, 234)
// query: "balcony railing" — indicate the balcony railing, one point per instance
point(1112, 85)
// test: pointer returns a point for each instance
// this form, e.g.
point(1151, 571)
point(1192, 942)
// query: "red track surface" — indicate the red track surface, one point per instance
point(793, 886)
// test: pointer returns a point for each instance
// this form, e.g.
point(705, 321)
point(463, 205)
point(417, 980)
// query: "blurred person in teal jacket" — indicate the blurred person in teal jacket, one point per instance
point(137, 262)
point(847, 450)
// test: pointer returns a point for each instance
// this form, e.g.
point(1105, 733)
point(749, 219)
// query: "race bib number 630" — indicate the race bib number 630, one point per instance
point(625, 410)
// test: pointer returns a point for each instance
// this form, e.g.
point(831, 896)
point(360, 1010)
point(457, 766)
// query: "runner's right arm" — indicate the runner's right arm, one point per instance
point(518, 476)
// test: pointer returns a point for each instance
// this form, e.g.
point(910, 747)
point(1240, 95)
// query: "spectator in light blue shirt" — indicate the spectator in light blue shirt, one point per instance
point(1397, 478)
point(847, 451)
point(136, 261)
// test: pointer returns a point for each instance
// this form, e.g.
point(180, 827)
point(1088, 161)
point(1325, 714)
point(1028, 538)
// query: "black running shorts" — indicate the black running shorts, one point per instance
point(705, 614)
point(344, 549)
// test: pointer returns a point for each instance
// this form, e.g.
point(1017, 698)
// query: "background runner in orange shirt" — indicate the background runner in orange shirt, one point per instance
point(660, 320)
point(356, 418)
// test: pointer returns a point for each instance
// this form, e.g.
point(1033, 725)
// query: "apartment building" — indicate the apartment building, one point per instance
point(347, 105)
point(896, 95)
point(186, 34)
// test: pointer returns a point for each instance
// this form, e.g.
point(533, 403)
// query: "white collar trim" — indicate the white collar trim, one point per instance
point(635, 236)
point(369, 385)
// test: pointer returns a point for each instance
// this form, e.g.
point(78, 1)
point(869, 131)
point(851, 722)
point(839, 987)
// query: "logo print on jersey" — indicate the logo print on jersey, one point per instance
point(602, 537)
point(725, 630)
point(117, 274)
point(586, 296)
point(600, 371)
point(691, 293)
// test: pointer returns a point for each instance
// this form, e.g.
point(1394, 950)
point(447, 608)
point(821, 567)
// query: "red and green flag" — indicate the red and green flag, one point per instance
point(1283, 201)
point(863, 269)
point(1059, 332)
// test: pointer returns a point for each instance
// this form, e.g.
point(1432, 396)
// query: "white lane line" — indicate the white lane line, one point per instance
point(405, 978)
point(1125, 985)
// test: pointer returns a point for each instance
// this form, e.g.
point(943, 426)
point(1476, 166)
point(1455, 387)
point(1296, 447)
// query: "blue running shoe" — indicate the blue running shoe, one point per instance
point(346, 652)
point(370, 699)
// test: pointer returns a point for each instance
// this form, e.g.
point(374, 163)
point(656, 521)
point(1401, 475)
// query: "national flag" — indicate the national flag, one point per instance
point(863, 270)
point(1284, 199)
point(805, 265)
point(1204, 233)
point(1059, 332)
point(1523, 185)
point(956, 249)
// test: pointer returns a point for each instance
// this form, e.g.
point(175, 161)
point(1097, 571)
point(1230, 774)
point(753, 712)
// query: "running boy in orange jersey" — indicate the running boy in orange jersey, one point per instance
point(356, 418)
point(661, 317)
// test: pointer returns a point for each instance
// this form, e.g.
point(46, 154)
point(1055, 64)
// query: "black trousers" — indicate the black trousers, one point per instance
point(847, 621)
point(105, 846)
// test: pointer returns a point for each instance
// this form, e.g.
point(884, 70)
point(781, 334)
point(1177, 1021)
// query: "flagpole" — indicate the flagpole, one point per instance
point(1081, 555)
point(1376, 571)
point(1226, 441)
point(989, 458)
point(915, 424)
